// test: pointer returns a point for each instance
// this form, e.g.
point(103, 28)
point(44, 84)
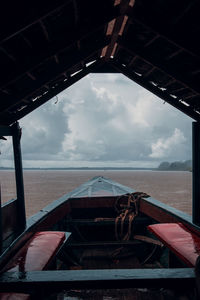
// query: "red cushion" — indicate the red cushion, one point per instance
point(184, 243)
point(14, 296)
point(36, 254)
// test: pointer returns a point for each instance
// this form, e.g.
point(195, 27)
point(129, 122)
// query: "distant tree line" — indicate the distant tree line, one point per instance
point(176, 166)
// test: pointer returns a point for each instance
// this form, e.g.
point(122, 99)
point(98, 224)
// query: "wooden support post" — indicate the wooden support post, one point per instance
point(1, 230)
point(16, 133)
point(196, 172)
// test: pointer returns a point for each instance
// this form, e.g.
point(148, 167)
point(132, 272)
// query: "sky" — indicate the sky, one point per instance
point(103, 120)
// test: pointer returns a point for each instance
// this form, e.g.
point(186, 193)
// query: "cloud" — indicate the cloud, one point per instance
point(43, 132)
point(104, 119)
point(164, 148)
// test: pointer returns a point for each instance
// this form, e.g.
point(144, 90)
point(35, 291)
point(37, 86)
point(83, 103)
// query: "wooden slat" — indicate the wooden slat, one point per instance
point(103, 221)
point(165, 34)
point(53, 73)
point(196, 173)
point(36, 16)
point(118, 26)
point(158, 92)
point(54, 48)
point(96, 279)
point(46, 97)
point(160, 63)
point(102, 244)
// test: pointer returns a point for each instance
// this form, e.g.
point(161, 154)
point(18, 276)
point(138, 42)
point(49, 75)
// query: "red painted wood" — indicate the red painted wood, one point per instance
point(37, 253)
point(184, 243)
point(14, 296)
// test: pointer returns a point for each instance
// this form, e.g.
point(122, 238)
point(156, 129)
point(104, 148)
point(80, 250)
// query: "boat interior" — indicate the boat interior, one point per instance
point(103, 240)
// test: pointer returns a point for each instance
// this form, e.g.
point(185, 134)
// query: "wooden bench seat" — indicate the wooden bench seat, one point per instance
point(38, 253)
point(179, 239)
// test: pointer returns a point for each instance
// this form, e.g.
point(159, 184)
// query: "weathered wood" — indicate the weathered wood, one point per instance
point(196, 172)
point(163, 94)
point(54, 48)
point(55, 71)
point(1, 228)
point(19, 176)
point(35, 15)
point(102, 244)
point(10, 225)
point(162, 212)
point(96, 279)
point(44, 98)
point(103, 221)
point(169, 68)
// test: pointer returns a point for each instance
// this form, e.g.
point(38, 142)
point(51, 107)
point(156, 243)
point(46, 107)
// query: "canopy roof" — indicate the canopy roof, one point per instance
point(48, 45)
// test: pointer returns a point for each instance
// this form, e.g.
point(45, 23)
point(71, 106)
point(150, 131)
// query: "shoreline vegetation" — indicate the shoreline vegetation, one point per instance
point(163, 166)
point(176, 166)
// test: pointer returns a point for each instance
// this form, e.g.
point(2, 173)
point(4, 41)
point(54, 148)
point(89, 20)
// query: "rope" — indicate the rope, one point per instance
point(129, 211)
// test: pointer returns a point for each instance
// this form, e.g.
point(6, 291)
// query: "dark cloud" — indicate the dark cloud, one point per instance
point(43, 132)
point(105, 119)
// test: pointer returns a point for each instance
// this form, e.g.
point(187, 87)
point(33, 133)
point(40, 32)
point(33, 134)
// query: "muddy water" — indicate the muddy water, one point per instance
point(42, 187)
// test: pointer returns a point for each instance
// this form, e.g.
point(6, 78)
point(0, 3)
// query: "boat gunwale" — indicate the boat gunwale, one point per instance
point(54, 212)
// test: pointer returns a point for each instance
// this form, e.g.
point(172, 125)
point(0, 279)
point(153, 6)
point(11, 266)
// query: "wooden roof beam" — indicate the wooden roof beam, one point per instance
point(117, 27)
point(45, 31)
point(33, 19)
point(157, 91)
point(152, 40)
point(132, 61)
point(52, 93)
point(162, 65)
point(189, 96)
point(134, 19)
point(149, 72)
point(54, 49)
point(56, 59)
point(59, 69)
point(178, 89)
point(31, 76)
point(174, 54)
point(171, 81)
point(9, 55)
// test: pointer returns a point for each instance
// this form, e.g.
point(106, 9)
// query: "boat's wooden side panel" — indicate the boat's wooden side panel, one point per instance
point(163, 213)
point(43, 220)
point(9, 224)
point(157, 213)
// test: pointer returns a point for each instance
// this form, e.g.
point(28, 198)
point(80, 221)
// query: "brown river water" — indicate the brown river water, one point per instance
point(44, 186)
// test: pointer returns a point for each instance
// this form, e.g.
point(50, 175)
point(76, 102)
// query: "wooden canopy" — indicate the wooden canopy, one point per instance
point(47, 45)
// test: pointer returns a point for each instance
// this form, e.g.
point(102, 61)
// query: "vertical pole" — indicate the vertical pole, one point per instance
point(1, 230)
point(19, 176)
point(196, 173)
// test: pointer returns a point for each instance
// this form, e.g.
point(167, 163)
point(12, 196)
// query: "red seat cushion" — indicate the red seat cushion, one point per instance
point(37, 253)
point(184, 243)
point(14, 296)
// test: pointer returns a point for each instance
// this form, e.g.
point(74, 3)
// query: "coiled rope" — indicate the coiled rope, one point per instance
point(127, 211)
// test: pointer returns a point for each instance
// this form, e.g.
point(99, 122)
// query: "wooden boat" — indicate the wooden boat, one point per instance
point(101, 240)
point(96, 237)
